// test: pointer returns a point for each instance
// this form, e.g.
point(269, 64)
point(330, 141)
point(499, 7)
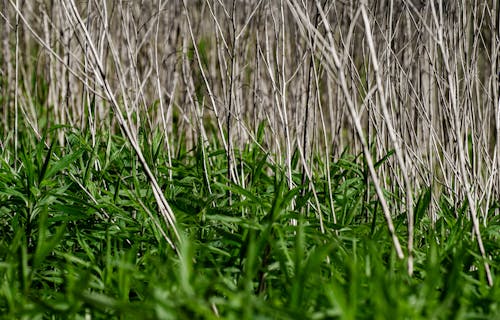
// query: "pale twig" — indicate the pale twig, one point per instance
point(392, 134)
point(464, 174)
point(163, 205)
point(334, 63)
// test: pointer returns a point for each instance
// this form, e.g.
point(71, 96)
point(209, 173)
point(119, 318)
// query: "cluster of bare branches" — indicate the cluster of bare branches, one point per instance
point(414, 76)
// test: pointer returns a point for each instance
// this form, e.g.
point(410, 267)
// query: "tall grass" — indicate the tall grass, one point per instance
point(239, 158)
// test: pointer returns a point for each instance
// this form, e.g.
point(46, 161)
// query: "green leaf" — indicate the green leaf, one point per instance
point(422, 205)
point(384, 158)
point(63, 163)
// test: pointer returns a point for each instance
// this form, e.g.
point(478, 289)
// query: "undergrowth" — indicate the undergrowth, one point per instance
point(81, 240)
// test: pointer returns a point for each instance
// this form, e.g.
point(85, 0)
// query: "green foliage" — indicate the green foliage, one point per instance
point(77, 241)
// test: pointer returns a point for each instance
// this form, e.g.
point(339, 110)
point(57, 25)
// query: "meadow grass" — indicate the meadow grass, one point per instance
point(79, 241)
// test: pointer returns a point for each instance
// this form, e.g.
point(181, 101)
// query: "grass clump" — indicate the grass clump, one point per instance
point(79, 241)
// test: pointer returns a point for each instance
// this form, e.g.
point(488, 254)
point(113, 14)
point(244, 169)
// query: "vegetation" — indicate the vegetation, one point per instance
point(260, 160)
point(79, 241)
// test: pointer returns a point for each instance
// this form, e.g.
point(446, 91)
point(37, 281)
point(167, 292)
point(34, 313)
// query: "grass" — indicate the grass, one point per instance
point(79, 240)
point(249, 160)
